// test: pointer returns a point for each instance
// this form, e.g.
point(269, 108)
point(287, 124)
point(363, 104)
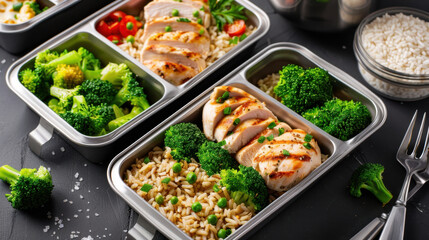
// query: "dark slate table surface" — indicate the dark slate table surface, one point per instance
point(83, 203)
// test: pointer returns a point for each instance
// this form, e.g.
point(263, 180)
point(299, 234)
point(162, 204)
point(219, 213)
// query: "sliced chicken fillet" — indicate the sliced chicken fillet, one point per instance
point(158, 25)
point(193, 42)
point(246, 154)
point(285, 161)
point(154, 10)
point(233, 92)
point(213, 112)
point(250, 110)
point(244, 132)
point(175, 73)
point(174, 55)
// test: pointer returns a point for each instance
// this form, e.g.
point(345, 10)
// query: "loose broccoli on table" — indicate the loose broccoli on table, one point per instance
point(213, 158)
point(184, 139)
point(88, 120)
point(246, 186)
point(301, 89)
point(340, 118)
point(369, 176)
point(30, 188)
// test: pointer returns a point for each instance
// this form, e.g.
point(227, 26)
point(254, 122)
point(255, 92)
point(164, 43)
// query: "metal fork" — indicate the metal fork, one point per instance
point(395, 224)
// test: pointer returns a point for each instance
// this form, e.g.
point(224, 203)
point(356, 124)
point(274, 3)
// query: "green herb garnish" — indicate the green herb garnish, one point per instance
point(234, 40)
point(285, 152)
point(146, 160)
point(281, 131)
point(227, 110)
point(166, 180)
point(307, 145)
point(225, 11)
point(272, 125)
point(221, 143)
point(146, 187)
point(236, 121)
point(183, 20)
point(270, 138)
point(308, 138)
point(261, 139)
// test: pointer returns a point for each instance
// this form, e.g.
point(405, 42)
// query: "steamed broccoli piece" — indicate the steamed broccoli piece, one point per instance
point(98, 91)
point(68, 76)
point(54, 105)
point(184, 139)
point(30, 188)
point(301, 89)
point(341, 119)
point(118, 111)
point(49, 68)
point(89, 120)
point(45, 57)
point(368, 176)
point(33, 80)
point(65, 96)
point(213, 158)
point(116, 123)
point(90, 65)
point(245, 186)
point(116, 73)
point(131, 92)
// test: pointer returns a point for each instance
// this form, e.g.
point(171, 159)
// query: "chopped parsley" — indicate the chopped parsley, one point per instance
point(281, 131)
point(285, 152)
point(166, 180)
point(225, 11)
point(236, 121)
point(307, 145)
point(227, 110)
point(146, 187)
point(308, 138)
point(272, 125)
point(261, 139)
point(271, 137)
point(146, 160)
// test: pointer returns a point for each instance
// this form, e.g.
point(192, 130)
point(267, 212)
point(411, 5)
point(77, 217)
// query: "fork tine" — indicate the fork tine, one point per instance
point(419, 136)
point(426, 147)
point(407, 137)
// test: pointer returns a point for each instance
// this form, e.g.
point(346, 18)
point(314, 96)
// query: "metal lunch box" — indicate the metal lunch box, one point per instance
point(268, 61)
point(15, 38)
point(159, 91)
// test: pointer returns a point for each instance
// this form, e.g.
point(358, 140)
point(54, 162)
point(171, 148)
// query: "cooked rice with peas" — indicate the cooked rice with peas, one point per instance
point(192, 223)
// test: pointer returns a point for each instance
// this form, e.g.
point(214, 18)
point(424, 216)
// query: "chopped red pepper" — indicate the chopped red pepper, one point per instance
point(128, 26)
point(103, 28)
point(116, 16)
point(116, 39)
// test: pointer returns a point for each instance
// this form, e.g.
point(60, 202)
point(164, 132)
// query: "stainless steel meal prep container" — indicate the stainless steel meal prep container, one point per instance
point(160, 92)
point(269, 60)
point(16, 38)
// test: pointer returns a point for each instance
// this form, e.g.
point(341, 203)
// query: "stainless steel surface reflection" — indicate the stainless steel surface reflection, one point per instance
point(324, 15)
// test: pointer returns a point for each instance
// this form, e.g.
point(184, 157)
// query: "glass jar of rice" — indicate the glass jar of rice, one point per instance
point(392, 49)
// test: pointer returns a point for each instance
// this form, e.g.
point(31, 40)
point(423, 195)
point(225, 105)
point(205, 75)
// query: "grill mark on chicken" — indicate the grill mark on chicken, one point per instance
point(276, 175)
point(280, 157)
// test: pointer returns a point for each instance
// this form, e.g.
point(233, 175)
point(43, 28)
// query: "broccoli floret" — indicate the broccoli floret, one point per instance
point(68, 76)
point(213, 158)
point(65, 96)
point(114, 124)
point(30, 188)
point(118, 111)
point(133, 93)
point(246, 186)
point(45, 57)
point(301, 89)
point(341, 119)
point(98, 91)
point(89, 64)
point(54, 105)
point(49, 68)
point(34, 82)
point(89, 120)
point(184, 139)
point(116, 73)
point(368, 176)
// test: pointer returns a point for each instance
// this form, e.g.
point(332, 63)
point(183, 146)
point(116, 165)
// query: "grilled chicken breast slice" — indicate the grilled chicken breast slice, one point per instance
point(194, 42)
point(213, 112)
point(246, 154)
point(154, 10)
point(233, 92)
point(282, 170)
point(174, 55)
point(249, 110)
point(244, 132)
point(158, 25)
point(175, 73)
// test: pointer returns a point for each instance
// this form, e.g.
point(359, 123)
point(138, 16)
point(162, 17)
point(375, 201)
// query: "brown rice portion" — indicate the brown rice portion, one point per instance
point(181, 214)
